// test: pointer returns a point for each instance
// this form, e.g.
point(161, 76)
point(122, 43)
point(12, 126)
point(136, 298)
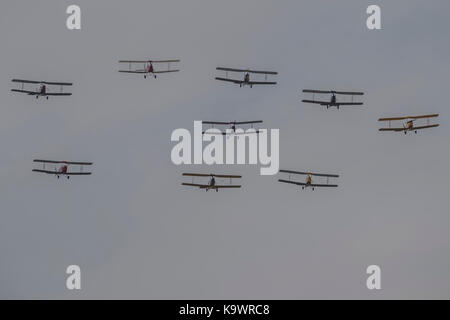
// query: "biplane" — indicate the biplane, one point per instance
point(246, 80)
point(42, 90)
point(309, 181)
point(409, 124)
point(231, 124)
point(61, 168)
point(211, 185)
point(333, 102)
point(148, 67)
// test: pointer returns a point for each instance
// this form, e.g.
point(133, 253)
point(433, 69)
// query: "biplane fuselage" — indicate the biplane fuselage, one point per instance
point(246, 81)
point(149, 69)
point(212, 183)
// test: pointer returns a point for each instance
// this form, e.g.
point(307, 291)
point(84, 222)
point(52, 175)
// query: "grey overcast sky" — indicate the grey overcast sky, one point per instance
point(137, 233)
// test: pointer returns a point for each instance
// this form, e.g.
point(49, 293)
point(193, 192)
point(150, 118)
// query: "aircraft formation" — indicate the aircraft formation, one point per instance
point(248, 77)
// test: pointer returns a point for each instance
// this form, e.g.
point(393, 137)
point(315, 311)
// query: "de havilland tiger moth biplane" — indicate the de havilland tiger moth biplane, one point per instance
point(231, 124)
point(211, 185)
point(61, 168)
point(409, 124)
point(333, 102)
point(309, 181)
point(246, 80)
point(148, 67)
point(41, 91)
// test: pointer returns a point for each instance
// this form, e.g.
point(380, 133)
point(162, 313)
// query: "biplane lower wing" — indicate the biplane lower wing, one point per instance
point(25, 91)
point(229, 133)
point(133, 71)
point(309, 185)
point(328, 103)
point(63, 173)
point(322, 103)
point(166, 71)
point(349, 103)
point(194, 185)
point(37, 93)
point(292, 182)
point(219, 187)
point(261, 82)
point(409, 129)
point(246, 82)
point(230, 80)
point(57, 94)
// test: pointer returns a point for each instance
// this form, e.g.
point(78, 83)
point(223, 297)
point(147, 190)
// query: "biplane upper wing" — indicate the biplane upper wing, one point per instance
point(351, 93)
point(246, 70)
point(164, 61)
point(64, 162)
point(410, 117)
point(58, 83)
point(196, 174)
point(247, 122)
point(311, 174)
point(217, 122)
point(231, 122)
point(43, 82)
point(317, 91)
point(211, 174)
point(133, 61)
point(26, 81)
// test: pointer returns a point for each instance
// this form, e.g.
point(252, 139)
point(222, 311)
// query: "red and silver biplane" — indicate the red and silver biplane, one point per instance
point(61, 168)
point(308, 181)
point(409, 124)
point(232, 125)
point(42, 91)
point(148, 67)
point(333, 102)
point(246, 80)
point(211, 185)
